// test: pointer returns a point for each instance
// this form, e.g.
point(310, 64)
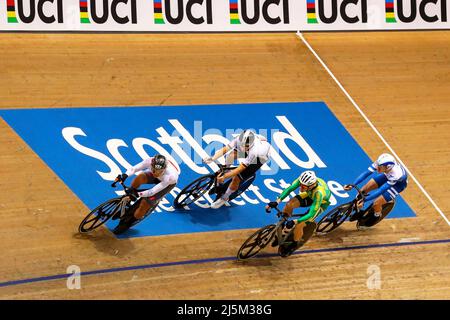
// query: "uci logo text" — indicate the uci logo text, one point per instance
point(100, 11)
point(328, 11)
point(26, 11)
point(408, 11)
point(196, 11)
point(251, 11)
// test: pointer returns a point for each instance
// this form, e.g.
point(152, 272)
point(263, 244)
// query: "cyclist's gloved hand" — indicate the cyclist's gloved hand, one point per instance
point(270, 205)
point(207, 160)
point(122, 177)
point(273, 204)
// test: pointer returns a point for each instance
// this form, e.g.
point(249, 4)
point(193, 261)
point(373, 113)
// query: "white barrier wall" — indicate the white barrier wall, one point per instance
point(222, 15)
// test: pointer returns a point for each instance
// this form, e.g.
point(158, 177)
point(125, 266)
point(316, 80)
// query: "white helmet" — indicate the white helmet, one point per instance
point(308, 178)
point(386, 160)
point(246, 139)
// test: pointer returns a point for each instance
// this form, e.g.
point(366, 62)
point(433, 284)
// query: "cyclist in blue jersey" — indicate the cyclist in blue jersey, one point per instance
point(390, 180)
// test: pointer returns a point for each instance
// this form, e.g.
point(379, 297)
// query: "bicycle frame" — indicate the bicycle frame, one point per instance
point(279, 230)
point(354, 203)
point(124, 203)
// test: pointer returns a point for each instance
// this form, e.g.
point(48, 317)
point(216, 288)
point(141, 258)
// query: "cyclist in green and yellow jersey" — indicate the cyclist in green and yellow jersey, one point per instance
point(314, 193)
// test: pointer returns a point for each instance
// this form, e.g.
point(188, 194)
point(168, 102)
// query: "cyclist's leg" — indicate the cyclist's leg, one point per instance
point(373, 184)
point(288, 209)
point(292, 204)
point(232, 187)
point(303, 203)
point(145, 177)
point(231, 157)
point(144, 206)
point(367, 221)
point(139, 180)
point(150, 202)
point(244, 175)
point(388, 196)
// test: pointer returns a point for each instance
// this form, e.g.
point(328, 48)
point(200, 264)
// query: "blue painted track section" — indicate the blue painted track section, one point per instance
point(86, 147)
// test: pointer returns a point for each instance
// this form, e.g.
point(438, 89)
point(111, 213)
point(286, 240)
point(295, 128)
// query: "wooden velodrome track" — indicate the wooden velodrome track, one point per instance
point(400, 80)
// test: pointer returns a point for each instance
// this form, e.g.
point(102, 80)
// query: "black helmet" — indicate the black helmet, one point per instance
point(159, 162)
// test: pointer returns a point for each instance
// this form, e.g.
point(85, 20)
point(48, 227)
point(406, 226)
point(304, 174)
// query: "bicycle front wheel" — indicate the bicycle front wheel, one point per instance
point(256, 242)
point(100, 215)
point(333, 219)
point(193, 191)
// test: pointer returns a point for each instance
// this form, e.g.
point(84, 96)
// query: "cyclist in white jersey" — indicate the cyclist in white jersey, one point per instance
point(256, 152)
point(155, 170)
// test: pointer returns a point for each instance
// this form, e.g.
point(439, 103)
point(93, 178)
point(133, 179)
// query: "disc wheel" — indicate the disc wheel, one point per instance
point(369, 220)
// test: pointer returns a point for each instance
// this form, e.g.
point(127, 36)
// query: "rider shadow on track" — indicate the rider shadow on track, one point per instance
point(105, 241)
point(207, 217)
point(338, 235)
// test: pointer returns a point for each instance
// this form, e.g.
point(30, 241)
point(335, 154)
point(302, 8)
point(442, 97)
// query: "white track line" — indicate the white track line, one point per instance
point(372, 126)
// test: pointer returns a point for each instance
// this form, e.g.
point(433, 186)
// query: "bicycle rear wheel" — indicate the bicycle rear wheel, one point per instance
point(256, 242)
point(333, 219)
point(100, 215)
point(369, 219)
point(149, 212)
point(193, 191)
point(285, 250)
point(243, 186)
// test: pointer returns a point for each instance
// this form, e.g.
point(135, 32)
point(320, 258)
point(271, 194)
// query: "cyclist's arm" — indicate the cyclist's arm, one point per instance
point(157, 188)
point(379, 191)
point(221, 152)
point(295, 185)
point(314, 209)
point(235, 172)
point(140, 166)
point(365, 174)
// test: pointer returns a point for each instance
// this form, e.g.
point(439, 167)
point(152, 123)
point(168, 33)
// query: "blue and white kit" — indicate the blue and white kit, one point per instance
point(390, 184)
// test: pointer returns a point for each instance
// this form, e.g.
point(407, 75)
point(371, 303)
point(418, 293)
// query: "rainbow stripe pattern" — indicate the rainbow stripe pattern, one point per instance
point(390, 15)
point(84, 15)
point(234, 12)
point(311, 11)
point(157, 7)
point(11, 9)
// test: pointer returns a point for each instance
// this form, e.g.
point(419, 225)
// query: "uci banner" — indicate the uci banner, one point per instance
point(88, 147)
point(222, 15)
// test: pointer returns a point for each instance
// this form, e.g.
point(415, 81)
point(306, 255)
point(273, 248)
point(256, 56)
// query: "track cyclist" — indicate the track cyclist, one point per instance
point(156, 170)
point(255, 150)
point(314, 193)
point(391, 179)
